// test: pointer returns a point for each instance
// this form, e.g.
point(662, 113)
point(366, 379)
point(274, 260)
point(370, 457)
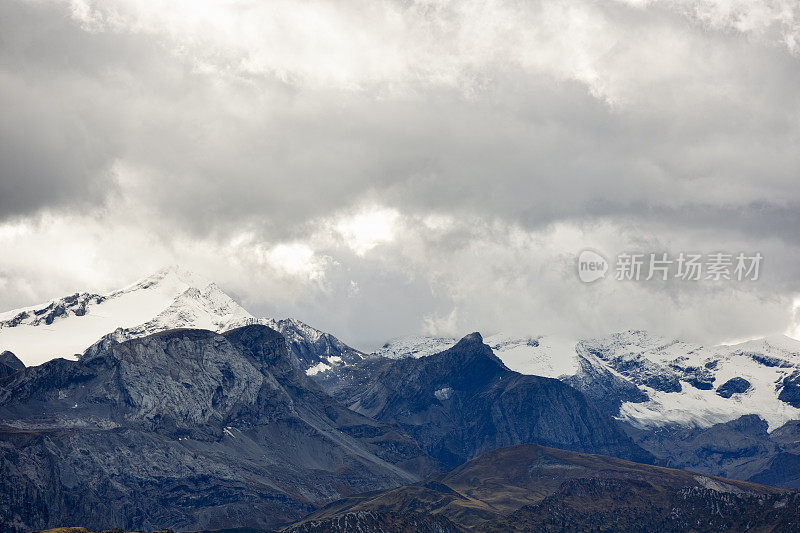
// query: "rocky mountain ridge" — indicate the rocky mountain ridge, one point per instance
point(171, 298)
point(650, 381)
point(464, 401)
point(185, 429)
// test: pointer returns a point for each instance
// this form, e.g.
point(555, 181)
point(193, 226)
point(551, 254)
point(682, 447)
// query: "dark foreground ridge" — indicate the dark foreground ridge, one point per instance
point(534, 488)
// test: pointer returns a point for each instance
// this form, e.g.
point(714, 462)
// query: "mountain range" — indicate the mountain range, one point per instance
point(168, 299)
point(643, 379)
point(650, 381)
point(457, 404)
point(726, 410)
point(186, 428)
point(167, 404)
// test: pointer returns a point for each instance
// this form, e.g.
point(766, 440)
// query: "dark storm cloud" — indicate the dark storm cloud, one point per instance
point(64, 120)
point(208, 150)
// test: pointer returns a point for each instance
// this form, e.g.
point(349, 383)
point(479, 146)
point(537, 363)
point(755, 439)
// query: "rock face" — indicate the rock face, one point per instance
point(9, 364)
point(378, 522)
point(733, 386)
point(185, 429)
point(462, 402)
point(739, 449)
point(315, 350)
point(605, 387)
point(790, 391)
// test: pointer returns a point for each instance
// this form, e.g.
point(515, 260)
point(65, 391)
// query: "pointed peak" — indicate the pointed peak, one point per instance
point(472, 351)
point(472, 338)
point(171, 275)
point(10, 360)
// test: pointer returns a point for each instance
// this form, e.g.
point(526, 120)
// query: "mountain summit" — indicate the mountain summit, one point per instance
point(464, 401)
point(172, 297)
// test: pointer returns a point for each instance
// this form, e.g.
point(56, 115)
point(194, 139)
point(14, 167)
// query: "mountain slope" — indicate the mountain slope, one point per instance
point(739, 449)
point(185, 429)
point(315, 350)
point(588, 505)
point(534, 488)
point(464, 401)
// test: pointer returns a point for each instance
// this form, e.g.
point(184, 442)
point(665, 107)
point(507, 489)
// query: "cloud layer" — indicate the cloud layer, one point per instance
point(380, 168)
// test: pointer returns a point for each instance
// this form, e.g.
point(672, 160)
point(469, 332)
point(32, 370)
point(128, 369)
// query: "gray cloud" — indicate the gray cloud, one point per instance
point(186, 130)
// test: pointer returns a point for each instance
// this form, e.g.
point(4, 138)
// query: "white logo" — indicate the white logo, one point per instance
point(591, 266)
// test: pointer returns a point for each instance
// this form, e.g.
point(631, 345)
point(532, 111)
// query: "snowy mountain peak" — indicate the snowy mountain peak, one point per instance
point(786, 346)
point(173, 297)
point(171, 277)
point(201, 308)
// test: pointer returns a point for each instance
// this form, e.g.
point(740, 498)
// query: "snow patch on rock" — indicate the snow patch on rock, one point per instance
point(443, 394)
point(316, 369)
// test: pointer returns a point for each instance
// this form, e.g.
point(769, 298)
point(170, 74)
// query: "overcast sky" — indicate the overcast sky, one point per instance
point(379, 168)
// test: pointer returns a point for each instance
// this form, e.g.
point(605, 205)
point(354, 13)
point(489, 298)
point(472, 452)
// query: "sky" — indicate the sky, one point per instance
point(383, 168)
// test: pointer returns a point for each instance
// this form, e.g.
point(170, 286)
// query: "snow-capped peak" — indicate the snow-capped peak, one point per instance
point(202, 308)
point(171, 277)
point(170, 298)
